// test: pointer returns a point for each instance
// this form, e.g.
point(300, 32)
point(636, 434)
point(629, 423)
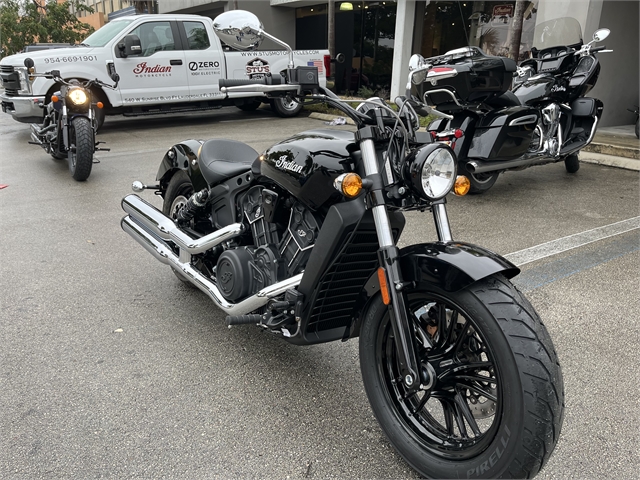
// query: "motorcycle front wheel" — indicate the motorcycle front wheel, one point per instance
point(491, 401)
point(81, 148)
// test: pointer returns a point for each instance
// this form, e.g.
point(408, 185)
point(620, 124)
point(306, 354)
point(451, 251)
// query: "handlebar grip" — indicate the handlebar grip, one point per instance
point(597, 49)
point(273, 79)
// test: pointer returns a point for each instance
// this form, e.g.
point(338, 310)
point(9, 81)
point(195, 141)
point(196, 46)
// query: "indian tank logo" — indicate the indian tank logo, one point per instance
point(257, 68)
point(143, 68)
point(282, 164)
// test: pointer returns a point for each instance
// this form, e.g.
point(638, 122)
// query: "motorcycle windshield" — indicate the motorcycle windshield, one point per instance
point(557, 32)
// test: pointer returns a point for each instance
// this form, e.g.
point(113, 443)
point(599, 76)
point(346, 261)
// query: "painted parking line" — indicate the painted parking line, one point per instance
point(545, 274)
point(528, 255)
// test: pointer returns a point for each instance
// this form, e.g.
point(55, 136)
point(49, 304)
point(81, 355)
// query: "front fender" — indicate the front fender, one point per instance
point(182, 156)
point(451, 266)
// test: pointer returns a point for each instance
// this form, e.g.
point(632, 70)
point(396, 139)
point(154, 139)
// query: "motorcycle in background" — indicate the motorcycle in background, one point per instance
point(637, 113)
point(546, 118)
point(69, 126)
point(301, 241)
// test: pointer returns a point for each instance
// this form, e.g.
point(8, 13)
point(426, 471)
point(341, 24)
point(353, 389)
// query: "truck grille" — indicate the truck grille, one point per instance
point(6, 68)
point(339, 290)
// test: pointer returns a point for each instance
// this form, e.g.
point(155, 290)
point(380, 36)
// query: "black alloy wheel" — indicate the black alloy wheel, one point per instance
point(81, 148)
point(491, 397)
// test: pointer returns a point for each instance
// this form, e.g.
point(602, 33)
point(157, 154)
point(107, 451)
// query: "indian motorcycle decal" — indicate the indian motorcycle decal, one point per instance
point(144, 70)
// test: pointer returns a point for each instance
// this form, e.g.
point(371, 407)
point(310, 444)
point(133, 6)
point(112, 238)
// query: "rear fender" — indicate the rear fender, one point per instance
point(182, 156)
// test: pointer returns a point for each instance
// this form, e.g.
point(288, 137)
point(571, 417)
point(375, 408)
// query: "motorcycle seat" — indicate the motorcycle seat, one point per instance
point(222, 159)
point(507, 99)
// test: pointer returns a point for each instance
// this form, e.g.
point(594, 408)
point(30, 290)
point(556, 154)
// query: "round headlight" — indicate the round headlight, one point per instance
point(77, 96)
point(431, 171)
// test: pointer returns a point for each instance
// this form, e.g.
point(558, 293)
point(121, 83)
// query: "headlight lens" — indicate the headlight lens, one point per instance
point(431, 171)
point(25, 84)
point(77, 96)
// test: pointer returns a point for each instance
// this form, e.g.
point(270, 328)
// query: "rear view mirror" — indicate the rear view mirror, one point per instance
point(601, 34)
point(239, 29)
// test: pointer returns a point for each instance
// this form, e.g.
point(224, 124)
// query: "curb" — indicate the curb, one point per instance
point(609, 160)
point(613, 150)
point(328, 117)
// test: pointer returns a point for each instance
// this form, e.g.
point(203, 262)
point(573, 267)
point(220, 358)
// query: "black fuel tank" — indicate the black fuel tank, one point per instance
point(307, 163)
point(541, 87)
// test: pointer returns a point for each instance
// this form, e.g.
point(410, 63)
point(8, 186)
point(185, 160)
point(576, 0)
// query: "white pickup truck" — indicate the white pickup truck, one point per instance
point(166, 63)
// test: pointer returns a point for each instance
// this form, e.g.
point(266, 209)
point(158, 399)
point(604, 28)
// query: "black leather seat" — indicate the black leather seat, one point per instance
point(222, 159)
point(507, 99)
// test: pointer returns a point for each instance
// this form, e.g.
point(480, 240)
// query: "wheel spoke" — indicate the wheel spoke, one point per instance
point(448, 416)
point(462, 336)
point(422, 403)
point(479, 390)
point(459, 418)
point(464, 409)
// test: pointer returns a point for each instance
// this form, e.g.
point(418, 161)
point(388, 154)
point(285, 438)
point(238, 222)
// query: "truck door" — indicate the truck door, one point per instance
point(204, 59)
point(159, 73)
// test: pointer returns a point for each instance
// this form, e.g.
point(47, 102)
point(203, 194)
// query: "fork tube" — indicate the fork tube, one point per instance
point(389, 256)
point(380, 216)
point(442, 221)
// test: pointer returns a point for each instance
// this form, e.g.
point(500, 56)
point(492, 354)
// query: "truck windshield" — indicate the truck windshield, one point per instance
point(104, 35)
point(558, 32)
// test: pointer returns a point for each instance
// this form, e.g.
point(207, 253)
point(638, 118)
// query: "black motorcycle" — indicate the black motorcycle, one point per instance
point(301, 241)
point(69, 127)
point(545, 119)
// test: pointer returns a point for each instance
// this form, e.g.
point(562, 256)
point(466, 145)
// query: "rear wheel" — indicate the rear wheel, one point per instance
point(81, 148)
point(177, 195)
point(286, 107)
point(491, 399)
point(480, 182)
point(572, 163)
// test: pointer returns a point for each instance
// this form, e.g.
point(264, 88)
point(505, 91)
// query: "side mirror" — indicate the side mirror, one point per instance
point(239, 29)
point(28, 62)
point(601, 34)
point(417, 72)
point(340, 58)
point(131, 46)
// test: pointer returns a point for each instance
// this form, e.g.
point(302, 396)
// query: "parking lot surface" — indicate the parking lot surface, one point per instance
point(110, 367)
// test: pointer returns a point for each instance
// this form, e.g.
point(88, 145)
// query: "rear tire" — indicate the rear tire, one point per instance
point(480, 182)
point(286, 107)
point(572, 163)
point(178, 192)
point(638, 128)
point(450, 429)
point(82, 146)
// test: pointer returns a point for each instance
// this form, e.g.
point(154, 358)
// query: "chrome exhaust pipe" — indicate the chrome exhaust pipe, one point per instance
point(161, 226)
point(35, 134)
point(161, 251)
point(478, 166)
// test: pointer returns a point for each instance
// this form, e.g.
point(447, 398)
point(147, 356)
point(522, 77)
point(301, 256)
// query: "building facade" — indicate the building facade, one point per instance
point(378, 37)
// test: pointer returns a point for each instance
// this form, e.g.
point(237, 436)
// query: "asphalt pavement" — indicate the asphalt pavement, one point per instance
point(110, 367)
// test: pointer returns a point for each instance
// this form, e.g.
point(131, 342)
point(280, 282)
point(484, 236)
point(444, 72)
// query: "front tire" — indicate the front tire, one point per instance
point(495, 407)
point(572, 163)
point(81, 149)
point(286, 107)
point(176, 196)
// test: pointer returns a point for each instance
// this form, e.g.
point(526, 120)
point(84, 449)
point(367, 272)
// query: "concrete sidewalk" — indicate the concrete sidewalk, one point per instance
point(614, 147)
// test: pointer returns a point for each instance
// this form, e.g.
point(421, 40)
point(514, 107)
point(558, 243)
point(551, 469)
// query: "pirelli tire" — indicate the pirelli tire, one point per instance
point(484, 338)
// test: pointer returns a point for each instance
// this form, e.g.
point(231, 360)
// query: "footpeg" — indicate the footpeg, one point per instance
point(243, 319)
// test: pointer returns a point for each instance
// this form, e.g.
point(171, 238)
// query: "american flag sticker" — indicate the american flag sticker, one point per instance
point(316, 63)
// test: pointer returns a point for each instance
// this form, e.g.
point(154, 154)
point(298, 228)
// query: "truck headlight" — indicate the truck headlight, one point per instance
point(25, 84)
point(430, 171)
point(77, 96)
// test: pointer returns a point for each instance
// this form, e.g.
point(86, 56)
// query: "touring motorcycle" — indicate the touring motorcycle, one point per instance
point(301, 241)
point(69, 126)
point(546, 118)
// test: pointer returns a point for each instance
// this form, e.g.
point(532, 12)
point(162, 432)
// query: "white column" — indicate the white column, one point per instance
point(405, 19)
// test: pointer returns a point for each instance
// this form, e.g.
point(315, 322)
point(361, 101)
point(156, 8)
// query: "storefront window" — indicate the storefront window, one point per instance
point(502, 28)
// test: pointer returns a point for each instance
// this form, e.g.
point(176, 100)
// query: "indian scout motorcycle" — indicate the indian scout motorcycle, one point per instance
point(69, 126)
point(301, 240)
point(545, 119)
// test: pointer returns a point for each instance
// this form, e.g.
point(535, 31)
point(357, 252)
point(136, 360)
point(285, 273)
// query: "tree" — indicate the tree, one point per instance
point(23, 22)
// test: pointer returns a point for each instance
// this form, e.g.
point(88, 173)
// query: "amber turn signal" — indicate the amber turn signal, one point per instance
point(349, 184)
point(461, 186)
point(54, 98)
point(99, 105)
point(384, 288)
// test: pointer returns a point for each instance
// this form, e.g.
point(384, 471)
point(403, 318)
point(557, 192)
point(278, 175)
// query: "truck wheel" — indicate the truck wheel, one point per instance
point(82, 145)
point(286, 107)
point(249, 106)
